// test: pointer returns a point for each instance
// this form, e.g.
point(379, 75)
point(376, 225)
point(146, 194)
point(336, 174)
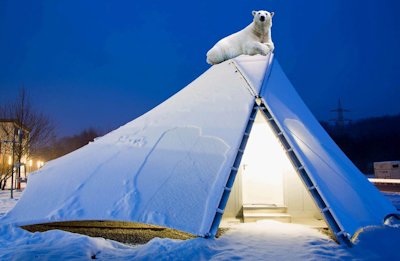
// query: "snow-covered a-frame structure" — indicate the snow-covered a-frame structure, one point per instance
point(175, 166)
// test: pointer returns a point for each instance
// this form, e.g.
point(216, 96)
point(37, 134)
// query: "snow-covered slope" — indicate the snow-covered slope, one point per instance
point(168, 167)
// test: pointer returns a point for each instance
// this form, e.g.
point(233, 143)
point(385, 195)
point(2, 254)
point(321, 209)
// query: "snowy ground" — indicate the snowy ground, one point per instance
point(6, 203)
point(252, 241)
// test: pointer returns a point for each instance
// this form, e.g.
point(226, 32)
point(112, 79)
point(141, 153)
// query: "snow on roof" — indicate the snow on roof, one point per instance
point(169, 166)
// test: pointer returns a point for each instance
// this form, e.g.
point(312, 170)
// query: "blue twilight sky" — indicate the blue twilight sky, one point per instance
point(103, 63)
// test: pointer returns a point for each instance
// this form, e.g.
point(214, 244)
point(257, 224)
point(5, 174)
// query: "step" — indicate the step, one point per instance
point(264, 208)
point(281, 217)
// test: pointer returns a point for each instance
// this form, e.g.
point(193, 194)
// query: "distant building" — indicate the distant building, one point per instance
point(387, 169)
point(14, 150)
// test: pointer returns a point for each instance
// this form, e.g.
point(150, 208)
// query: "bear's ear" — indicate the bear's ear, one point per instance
point(254, 13)
point(272, 14)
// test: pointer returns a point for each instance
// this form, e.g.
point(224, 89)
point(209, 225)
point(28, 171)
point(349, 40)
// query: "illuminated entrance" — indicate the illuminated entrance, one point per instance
point(267, 186)
point(263, 166)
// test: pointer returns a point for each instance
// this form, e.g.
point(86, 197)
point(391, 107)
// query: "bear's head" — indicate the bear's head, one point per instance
point(263, 18)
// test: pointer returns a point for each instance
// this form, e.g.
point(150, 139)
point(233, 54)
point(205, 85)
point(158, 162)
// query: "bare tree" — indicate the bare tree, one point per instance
point(32, 129)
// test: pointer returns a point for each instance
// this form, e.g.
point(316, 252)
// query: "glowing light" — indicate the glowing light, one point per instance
point(30, 163)
point(39, 164)
point(9, 160)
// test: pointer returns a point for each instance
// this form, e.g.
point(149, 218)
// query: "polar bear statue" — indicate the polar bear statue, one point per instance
point(252, 40)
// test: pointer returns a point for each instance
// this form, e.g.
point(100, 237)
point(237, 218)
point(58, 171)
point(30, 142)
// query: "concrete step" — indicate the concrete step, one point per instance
point(281, 217)
point(264, 208)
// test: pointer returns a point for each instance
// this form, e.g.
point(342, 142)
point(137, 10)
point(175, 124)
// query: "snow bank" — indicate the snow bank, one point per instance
point(252, 241)
point(271, 240)
point(267, 240)
point(18, 244)
point(378, 243)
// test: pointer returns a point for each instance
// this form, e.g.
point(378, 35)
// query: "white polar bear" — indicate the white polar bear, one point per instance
point(252, 40)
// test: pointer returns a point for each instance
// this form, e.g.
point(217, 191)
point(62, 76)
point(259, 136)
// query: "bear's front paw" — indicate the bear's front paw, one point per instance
point(263, 49)
point(254, 48)
point(270, 47)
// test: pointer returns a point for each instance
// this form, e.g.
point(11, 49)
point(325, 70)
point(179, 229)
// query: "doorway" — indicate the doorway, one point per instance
point(262, 167)
point(267, 185)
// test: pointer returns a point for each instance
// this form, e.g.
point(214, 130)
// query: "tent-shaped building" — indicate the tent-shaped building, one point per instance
point(176, 165)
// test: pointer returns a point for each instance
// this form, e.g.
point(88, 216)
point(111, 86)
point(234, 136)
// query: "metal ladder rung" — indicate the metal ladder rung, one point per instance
point(220, 211)
point(227, 189)
point(342, 233)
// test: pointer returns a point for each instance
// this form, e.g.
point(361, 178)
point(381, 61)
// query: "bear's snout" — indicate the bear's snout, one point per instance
point(262, 18)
